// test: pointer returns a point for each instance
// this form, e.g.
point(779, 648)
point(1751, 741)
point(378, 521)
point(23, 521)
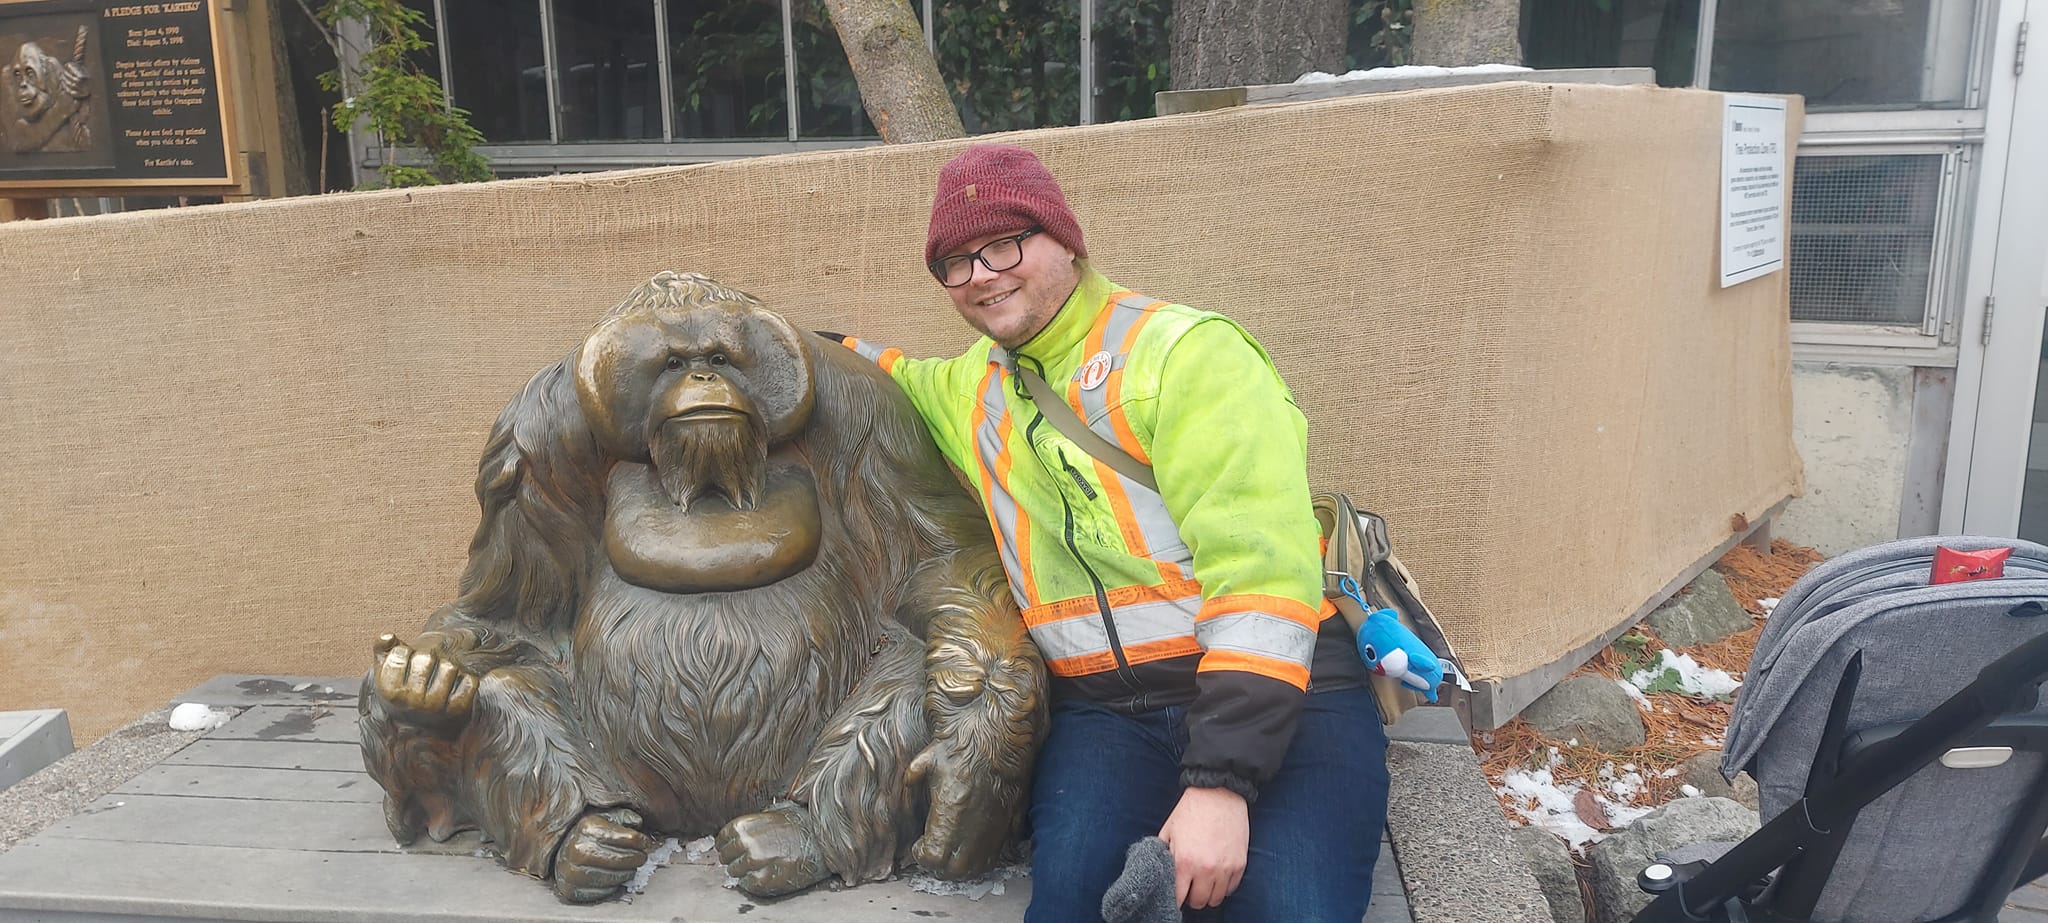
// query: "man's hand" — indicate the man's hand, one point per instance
point(1209, 832)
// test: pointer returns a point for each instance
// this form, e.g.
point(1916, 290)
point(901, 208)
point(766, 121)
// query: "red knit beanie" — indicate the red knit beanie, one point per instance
point(990, 188)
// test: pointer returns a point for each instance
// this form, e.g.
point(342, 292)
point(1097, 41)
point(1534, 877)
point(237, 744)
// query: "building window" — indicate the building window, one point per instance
point(497, 67)
point(1131, 53)
point(728, 68)
point(1660, 34)
point(1010, 64)
point(1846, 53)
point(608, 72)
point(1863, 234)
point(828, 99)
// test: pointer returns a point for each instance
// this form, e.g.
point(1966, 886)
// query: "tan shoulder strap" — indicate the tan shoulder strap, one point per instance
point(1064, 419)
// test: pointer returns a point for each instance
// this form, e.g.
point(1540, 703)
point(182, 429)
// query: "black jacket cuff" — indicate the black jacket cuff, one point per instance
point(1196, 777)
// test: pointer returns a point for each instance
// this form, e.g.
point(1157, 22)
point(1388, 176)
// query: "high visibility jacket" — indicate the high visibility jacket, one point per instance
point(1207, 593)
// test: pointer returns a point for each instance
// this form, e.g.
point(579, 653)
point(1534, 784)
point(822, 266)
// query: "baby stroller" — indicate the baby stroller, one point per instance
point(1895, 730)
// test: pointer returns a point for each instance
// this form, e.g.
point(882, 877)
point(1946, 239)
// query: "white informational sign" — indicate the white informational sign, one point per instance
point(1753, 184)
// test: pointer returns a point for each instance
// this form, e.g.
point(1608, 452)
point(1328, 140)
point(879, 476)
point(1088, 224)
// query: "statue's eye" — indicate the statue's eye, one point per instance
point(675, 362)
point(718, 359)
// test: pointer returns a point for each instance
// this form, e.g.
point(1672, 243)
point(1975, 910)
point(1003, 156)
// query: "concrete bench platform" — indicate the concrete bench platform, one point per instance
point(271, 817)
point(30, 740)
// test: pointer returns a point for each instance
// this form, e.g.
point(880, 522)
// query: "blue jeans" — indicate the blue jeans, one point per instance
point(1106, 780)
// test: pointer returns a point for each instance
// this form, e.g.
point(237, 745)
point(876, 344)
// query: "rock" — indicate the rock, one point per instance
point(1551, 860)
point(1619, 858)
point(1593, 709)
point(1703, 772)
point(1703, 613)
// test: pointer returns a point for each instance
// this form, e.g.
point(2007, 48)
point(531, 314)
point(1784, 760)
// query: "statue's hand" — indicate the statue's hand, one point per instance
point(973, 808)
point(773, 852)
point(423, 687)
point(600, 855)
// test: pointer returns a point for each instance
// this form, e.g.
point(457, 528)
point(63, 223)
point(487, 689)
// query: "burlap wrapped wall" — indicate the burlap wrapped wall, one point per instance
point(243, 438)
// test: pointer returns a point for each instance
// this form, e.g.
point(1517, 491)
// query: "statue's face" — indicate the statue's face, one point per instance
point(33, 79)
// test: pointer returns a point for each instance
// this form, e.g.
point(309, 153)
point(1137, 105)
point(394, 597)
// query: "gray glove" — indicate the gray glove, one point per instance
point(1144, 892)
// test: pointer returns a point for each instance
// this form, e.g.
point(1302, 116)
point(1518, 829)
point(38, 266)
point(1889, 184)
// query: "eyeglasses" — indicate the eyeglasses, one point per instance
point(998, 255)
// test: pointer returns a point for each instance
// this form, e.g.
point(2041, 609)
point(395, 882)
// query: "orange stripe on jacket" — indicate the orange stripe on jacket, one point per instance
point(1126, 438)
point(1172, 591)
point(1286, 671)
point(1134, 654)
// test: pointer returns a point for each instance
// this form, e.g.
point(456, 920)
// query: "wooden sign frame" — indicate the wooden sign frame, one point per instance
point(163, 120)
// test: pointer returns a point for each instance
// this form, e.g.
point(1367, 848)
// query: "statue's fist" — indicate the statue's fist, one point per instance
point(423, 686)
point(773, 852)
point(600, 855)
point(972, 812)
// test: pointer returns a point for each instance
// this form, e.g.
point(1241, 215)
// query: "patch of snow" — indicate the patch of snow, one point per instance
point(1767, 605)
point(193, 716)
point(1544, 801)
point(1635, 692)
point(1689, 791)
point(656, 859)
point(973, 889)
point(1693, 679)
point(701, 851)
point(1410, 70)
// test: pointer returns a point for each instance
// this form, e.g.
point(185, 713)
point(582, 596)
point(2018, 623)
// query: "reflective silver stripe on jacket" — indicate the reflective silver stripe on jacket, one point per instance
point(1259, 633)
point(988, 444)
point(1136, 624)
point(869, 351)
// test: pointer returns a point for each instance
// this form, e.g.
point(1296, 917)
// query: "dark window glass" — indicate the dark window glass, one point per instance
point(1380, 34)
point(1863, 237)
point(726, 57)
point(1846, 53)
point(1130, 56)
point(1011, 64)
point(828, 100)
point(427, 59)
point(610, 77)
point(1660, 34)
point(497, 68)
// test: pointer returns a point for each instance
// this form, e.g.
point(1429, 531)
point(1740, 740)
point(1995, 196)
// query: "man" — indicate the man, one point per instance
point(1203, 691)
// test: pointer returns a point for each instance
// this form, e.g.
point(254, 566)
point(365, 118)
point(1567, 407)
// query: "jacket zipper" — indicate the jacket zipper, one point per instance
point(1116, 647)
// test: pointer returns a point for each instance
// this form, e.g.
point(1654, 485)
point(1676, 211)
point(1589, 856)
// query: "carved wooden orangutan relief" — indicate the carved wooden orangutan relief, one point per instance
point(723, 583)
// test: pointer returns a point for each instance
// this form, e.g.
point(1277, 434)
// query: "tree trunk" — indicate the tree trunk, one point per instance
point(1228, 43)
point(899, 80)
point(1456, 33)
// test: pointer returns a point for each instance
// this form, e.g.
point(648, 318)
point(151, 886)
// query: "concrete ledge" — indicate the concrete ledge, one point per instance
point(1435, 724)
point(69, 785)
point(30, 740)
point(1452, 840)
point(1174, 102)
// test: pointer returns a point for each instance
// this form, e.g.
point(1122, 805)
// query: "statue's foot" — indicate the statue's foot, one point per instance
point(600, 855)
point(774, 852)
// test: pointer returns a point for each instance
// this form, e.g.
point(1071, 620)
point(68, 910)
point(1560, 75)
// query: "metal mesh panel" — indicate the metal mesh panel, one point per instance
point(1863, 237)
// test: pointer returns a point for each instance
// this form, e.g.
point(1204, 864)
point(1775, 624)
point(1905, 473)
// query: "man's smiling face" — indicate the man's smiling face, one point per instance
point(1012, 306)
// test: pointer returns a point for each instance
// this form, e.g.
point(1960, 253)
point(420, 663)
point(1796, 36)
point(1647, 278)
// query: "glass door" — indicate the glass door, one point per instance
point(2002, 436)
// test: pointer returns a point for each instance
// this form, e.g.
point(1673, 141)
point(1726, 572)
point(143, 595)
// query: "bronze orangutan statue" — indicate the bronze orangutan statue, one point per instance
point(723, 582)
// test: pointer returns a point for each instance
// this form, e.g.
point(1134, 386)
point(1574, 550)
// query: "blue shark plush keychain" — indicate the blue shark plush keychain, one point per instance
point(1392, 650)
